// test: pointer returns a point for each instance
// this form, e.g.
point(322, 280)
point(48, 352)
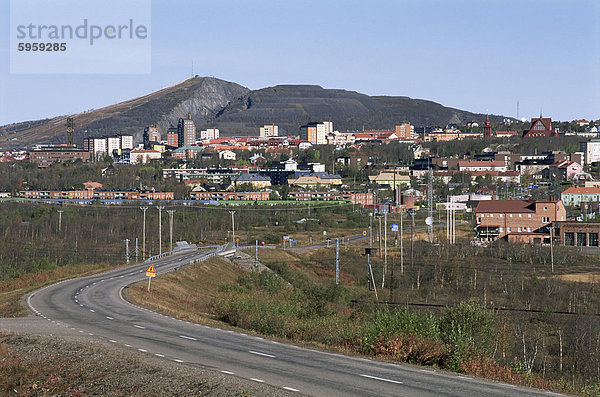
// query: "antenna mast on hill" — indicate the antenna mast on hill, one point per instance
point(192, 68)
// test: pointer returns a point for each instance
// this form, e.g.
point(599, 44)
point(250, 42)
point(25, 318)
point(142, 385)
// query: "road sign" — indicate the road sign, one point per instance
point(364, 232)
point(150, 272)
point(429, 221)
point(394, 227)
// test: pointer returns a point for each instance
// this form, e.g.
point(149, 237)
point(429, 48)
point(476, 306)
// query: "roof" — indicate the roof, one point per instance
point(582, 190)
point(481, 163)
point(498, 206)
point(251, 178)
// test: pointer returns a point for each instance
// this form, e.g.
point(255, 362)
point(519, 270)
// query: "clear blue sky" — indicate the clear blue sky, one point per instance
point(475, 55)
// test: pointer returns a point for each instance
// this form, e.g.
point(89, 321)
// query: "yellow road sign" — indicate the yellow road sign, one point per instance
point(364, 232)
point(150, 272)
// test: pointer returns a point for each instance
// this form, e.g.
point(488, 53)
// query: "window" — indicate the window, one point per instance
point(546, 219)
point(491, 215)
point(528, 229)
point(593, 239)
point(502, 229)
point(501, 215)
point(478, 220)
point(511, 215)
point(581, 239)
point(528, 215)
point(519, 229)
point(520, 215)
point(508, 229)
point(569, 238)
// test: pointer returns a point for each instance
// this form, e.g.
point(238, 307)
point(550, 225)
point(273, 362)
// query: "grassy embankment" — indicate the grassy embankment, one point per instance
point(298, 301)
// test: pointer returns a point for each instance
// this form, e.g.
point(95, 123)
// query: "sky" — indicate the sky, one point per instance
point(480, 56)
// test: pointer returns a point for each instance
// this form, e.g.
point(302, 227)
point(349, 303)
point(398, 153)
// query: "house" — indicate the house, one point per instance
point(227, 155)
point(143, 156)
point(517, 220)
point(391, 178)
point(255, 180)
point(316, 180)
point(90, 185)
point(540, 127)
point(575, 196)
point(481, 165)
point(562, 170)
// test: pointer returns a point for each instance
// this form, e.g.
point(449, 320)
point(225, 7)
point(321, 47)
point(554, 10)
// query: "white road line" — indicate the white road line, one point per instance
point(289, 388)
point(139, 326)
point(187, 337)
point(112, 341)
point(143, 350)
point(90, 334)
point(109, 317)
point(126, 345)
point(177, 360)
point(80, 305)
point(257, 380)
point(261, 354)
point(159, 355)
point(92, 310)
point(228, 372)
point(382, 379)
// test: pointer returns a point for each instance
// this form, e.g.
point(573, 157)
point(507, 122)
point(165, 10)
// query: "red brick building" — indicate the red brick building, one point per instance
point(517, 220)
point(540, 127)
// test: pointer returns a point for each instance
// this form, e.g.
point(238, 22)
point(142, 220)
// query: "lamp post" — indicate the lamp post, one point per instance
point(160, 208)
point(144, 209)
point(170, 212)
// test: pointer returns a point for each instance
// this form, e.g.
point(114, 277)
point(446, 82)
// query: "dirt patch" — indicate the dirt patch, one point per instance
point(589, 277)
point(42, 366)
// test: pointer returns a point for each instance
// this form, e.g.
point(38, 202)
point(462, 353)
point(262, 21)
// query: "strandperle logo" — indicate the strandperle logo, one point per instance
point(80, 36)
point(84, 31)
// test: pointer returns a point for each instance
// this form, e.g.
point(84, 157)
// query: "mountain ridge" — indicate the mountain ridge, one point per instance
point(237, 110)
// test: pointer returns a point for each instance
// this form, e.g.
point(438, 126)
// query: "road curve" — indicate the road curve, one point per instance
point(94, 306)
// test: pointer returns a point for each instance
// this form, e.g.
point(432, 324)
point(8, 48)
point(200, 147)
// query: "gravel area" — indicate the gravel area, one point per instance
point(74, 365)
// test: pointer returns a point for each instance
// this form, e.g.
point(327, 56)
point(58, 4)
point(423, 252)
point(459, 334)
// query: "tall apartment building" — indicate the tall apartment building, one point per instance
point(316, 133)
point(591, 150)
point(405, 131)
point(98, 147)
point(172, 137)
point(209, 133)
point(269, 130)
point(186, 131)
point(153, 133)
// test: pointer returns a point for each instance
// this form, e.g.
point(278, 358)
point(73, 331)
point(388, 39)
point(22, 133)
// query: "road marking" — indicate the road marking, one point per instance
point(112, 341)
point(382, 379)
point(143, 350)
point(109, 317)
point(92, 310)
point(228, 372)
point(126, 345)
point(187, 337)
point(257, 380)
point(159, 355)
point(90, 334)
point(261, 354)
point(139, 326)
point(80, 305)
point(177, 360)
point(289, 388)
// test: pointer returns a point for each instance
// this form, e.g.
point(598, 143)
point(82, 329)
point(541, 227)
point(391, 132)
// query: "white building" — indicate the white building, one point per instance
point(227, 155)
point(591, 150)
point(126, 142)
point(143, 156)
point(210, 133)
point(269, 130)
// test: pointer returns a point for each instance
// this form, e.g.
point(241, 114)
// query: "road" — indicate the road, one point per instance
point(94, 306)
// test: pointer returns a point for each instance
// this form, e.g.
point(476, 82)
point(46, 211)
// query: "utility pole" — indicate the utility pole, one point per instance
point(170, 229)
point(551, 247)
point(144, 209)
point(337, 261)
point(384, 249)
point(412, 238)
point(309, 207)
point(379, 235)
point(370, 230)
point(160, 208)
point(256, 255)
point(430, 203)
point(401, 242)
point(127, 250)
point(371, 273)
point(136, 249)
point(233, 225)
point(60, 212)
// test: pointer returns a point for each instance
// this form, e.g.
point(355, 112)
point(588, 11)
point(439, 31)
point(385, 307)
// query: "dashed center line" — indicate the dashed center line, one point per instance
point(382, 379)
point(112, 341)
point(257, 380)
point(289, 388)
point(228, 372)
point(177, 360)
point(92, 310)
point(159, 355)
point(187, 337)
point(143, 350)
point(261, 354)
point(139, 326)
point(109, 317)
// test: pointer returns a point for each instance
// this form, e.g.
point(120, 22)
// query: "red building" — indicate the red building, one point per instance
point(487, 128)
point(540, 127)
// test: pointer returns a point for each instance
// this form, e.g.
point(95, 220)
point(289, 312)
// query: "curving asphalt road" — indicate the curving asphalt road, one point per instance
point(94, 306)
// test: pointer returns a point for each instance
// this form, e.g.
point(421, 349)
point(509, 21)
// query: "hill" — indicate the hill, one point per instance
point(236, 110)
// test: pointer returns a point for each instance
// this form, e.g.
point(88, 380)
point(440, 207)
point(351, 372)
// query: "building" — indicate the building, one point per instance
point(187, 152)
point(96, 147)
point(517, 220)
point(405, 131)
point(237, 196)
point(209, 133)
point(269, 131)
point(316, 180)
point(574, 233)
point(227, 155)
point(391, 178)
point(481, 165)
point(575, 196)
point(46, 156)
point(143, 155)
point(487, 127)
point(255, 180)
point(172, 137)
point(562, 170)
point(151, 134)
point(316, 133)
point(591, 150)
point(102, 146)
point(540, 127)
point(186, 131)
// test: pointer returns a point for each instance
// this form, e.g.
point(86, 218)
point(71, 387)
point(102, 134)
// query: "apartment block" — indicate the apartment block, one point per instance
point(269, 131)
